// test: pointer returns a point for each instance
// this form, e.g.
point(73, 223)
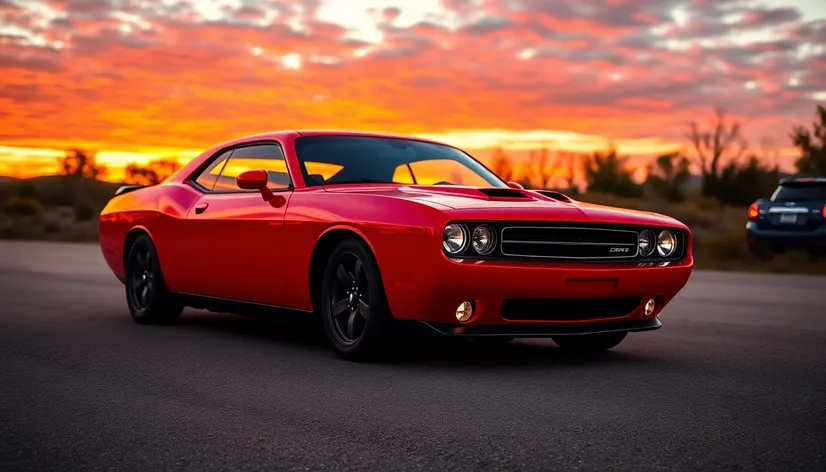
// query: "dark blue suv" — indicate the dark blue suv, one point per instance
point(794, 217)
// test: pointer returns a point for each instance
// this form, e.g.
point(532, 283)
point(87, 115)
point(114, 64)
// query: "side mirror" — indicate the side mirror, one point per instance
point(258, 180)
point(515, 185)
point(252, 180)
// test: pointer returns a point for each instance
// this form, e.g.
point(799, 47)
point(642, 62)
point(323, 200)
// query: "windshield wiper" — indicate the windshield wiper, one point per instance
point(359, 181)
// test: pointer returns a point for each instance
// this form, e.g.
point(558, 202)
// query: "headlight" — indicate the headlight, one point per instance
point(454, 238)
point(647, 241)
point(482, 239)
point(666, 243)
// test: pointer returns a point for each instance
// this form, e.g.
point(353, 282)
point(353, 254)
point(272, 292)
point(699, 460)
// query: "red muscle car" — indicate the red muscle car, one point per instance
point(372, 232)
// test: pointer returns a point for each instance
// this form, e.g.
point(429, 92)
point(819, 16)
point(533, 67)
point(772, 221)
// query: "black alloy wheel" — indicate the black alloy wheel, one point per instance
point(146, 294)
point(350, 310)
point(353, 304)
point(142, 277)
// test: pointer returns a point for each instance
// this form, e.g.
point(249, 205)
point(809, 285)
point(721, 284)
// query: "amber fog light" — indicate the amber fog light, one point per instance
point(650, 307)
point(464, 312)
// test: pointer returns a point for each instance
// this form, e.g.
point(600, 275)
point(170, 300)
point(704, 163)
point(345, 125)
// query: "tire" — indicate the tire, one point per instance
point(146, 294)
point(589, 342)
point(354, 310)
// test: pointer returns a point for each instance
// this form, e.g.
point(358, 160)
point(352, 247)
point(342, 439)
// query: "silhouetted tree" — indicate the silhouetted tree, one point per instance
point(570, 161)
point(668, 176)
point(501, 165)
point(812, 145)
point(741, 184)
point(608, 173)
point(153, 173)
point(723, 141)
point(540, 168)
point(79, 163)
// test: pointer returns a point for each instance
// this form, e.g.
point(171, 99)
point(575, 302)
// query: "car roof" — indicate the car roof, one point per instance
point(325, 132)
point(370, 134)
point(281, 135)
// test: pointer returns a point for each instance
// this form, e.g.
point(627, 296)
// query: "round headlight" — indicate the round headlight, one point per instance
point(647, 241)
point(482, 239)
point(454, 238)
point(666, 243)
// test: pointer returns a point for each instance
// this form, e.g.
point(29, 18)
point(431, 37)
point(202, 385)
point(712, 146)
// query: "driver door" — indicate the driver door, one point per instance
point(237, 236)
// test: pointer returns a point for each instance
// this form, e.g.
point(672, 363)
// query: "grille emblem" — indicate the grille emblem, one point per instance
point(619, 249)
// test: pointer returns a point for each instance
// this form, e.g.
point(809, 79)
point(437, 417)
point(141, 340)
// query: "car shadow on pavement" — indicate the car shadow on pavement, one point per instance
point(433, 351)
point(463, 354)
point(305, 334)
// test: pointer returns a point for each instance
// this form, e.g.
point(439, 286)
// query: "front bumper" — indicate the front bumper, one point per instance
point(544, 330)
point(434, 297)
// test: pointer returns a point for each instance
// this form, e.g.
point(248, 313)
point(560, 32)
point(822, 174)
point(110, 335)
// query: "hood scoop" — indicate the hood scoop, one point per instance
point(555, 195)
point(505, 194)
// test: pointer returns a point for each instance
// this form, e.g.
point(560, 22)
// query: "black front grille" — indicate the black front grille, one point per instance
point(569, 242)
point(524, 309)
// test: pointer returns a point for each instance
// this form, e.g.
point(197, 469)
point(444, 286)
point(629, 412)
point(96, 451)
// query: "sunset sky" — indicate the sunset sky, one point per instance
point(141, 79)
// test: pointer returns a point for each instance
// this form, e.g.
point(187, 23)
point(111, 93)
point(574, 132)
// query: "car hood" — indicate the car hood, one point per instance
point(502, 204)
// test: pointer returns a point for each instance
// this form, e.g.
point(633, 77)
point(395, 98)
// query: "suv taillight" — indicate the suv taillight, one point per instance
point(753, 211)
point(823, 212)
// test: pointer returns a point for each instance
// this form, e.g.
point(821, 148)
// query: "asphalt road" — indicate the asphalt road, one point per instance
point(735, 379)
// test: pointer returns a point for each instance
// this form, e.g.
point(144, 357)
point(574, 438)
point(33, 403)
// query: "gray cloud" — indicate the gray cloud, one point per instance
point(770, 17)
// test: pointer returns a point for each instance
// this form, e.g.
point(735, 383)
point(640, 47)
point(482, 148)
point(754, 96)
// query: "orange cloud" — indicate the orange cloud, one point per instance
point(151, 79)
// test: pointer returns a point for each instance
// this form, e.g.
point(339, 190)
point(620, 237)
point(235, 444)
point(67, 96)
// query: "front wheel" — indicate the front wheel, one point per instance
point(589, 342)
point(354, 310)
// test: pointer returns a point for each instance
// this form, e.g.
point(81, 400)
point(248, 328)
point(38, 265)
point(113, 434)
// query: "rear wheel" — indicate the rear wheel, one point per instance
point(146, 294)
point(354, 309)
point(589, 342)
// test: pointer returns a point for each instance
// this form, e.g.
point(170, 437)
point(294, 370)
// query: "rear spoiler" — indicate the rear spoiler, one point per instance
point(127, 188)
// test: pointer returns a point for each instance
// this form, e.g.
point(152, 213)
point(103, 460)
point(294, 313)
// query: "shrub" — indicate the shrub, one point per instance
point(26, 190)
point(22, 206)
point(84, 211)
point(708, 204)
point(52, 227)
point(721, 247)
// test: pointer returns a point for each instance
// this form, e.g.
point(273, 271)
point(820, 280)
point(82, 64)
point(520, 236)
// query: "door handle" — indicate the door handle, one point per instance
point(201, 208)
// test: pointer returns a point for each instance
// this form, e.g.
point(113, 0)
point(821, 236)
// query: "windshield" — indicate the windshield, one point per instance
point(328, 160)
point(800, 192)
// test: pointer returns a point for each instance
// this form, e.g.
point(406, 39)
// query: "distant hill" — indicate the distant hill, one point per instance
point(58, 190)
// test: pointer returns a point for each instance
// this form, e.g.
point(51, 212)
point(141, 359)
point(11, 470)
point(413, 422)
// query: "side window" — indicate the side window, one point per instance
point(210, 175)
point(266, 157)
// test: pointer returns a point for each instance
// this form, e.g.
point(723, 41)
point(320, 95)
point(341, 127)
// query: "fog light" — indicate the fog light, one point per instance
point(649, 307)
point(464, 312)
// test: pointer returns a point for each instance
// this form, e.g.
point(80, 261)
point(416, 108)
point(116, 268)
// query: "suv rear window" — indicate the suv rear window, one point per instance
point(800, 192)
